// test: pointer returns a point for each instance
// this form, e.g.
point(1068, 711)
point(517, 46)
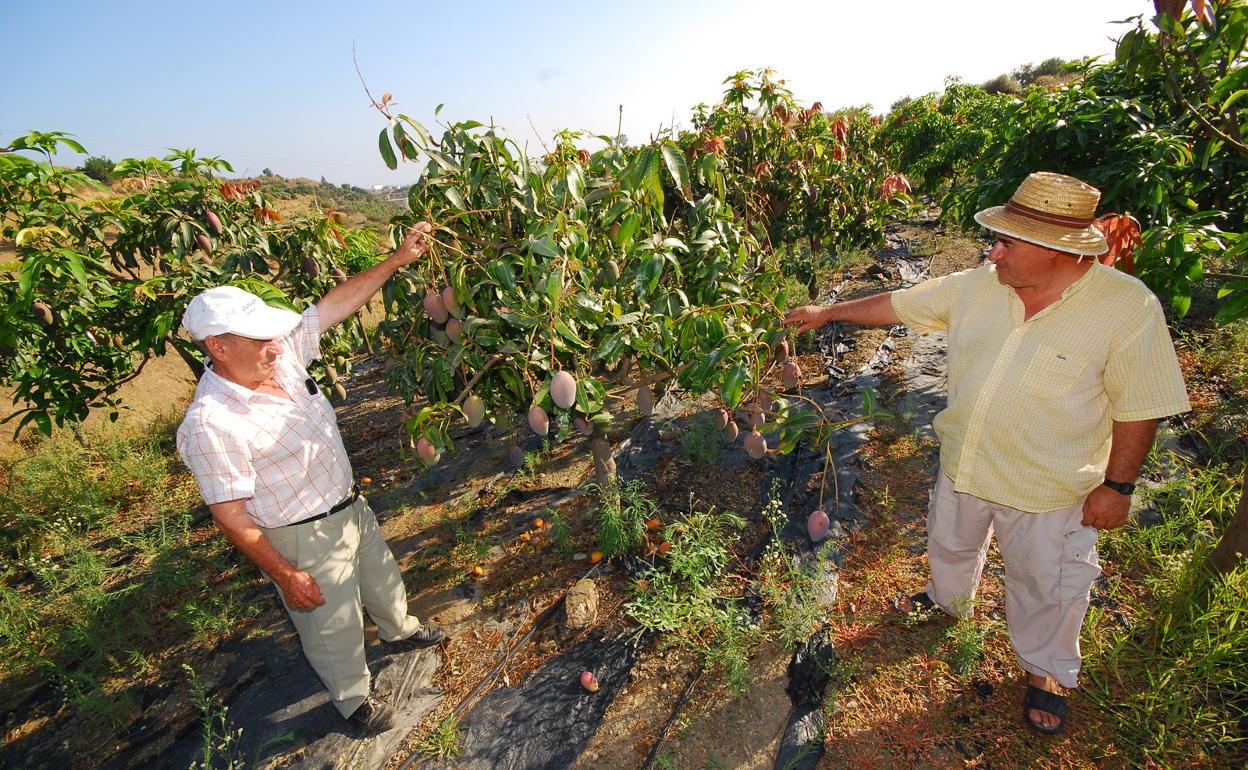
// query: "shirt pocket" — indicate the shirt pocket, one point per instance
point(1053, 372)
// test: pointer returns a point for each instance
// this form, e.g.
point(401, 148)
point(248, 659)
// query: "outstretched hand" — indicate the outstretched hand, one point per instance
point(416, 243)
point(807, 317)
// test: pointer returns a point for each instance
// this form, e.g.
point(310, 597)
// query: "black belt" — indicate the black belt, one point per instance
point(348, 500)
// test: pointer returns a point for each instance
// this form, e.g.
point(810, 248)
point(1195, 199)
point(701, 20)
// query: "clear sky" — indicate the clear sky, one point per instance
point(272, 84)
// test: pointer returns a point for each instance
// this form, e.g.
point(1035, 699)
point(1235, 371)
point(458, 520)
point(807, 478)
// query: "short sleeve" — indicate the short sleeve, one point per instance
point(926, 307)
point(1142, 375)
point(220, 462)
point(305, 339)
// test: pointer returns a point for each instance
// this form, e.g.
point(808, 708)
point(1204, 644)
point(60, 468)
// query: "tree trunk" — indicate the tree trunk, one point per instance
point(1234, 543)
point(604, 462)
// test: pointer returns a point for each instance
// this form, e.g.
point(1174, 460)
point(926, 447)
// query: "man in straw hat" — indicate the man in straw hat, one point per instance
point(1059, 369)
point(263, 444)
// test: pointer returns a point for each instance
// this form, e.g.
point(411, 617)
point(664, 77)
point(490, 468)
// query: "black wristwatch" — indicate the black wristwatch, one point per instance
point(1121, 487)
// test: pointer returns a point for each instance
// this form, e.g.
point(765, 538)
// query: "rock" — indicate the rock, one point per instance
point(581, 605)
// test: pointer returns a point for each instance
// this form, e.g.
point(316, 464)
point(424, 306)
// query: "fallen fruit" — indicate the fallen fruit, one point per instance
point(653, 524)
point(589, 681)
point(664, 547)
point(539, 421)
point(730, 432)
point(595, 557)
point(817, 525)
point(365, 480)
point(755, 445)
point(563, 389)
point(791, 374)
point(426, 451)
point(474, 410)
point(645, 400)
point(434, 307)
point(538, 523)
point(476, 572)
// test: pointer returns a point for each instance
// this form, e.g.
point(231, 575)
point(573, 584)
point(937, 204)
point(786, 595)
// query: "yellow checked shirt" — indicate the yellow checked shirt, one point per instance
point(1031, 403)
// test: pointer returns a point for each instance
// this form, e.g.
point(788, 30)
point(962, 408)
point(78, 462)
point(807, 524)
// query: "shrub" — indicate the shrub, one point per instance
point(98, 168)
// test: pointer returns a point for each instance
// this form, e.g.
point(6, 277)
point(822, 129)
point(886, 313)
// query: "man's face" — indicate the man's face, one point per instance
point(1021, 264)
point(244, 360)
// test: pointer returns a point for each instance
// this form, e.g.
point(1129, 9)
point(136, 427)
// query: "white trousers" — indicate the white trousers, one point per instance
point(351, 562)
point(1050, 563)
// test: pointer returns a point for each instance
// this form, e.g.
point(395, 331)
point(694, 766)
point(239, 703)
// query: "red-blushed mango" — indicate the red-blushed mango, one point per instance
point(589, 681)
point(437, 333)
point(474, 410)
point(539, 421)
point(426, 451)
point(434, 307)
point(645, 399)
point(204, 243)
point(791, 374)
point(340, 392)
point(311, 266)
point(451, 304)
point(563, 389)
point(454, 329)
point(214, 221)
point(730, 432)
point(817, 525)
point(338, 274)
point(583, 426)
point(755, 445)
point(722, 418)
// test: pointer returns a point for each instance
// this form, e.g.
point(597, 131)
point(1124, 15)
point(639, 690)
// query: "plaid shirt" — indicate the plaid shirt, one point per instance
point(284, 458)
point(1032, 402)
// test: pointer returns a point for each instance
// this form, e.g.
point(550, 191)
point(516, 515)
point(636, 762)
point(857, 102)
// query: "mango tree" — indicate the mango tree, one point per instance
point(96, 289)
point(550, 272)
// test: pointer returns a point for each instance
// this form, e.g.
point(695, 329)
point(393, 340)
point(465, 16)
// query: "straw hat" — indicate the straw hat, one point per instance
point(1052, 210)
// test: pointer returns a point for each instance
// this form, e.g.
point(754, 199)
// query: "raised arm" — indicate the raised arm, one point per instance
point(875, 310)
point(349, 296)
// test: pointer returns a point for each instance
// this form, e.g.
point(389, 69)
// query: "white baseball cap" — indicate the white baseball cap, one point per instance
point(230, 310)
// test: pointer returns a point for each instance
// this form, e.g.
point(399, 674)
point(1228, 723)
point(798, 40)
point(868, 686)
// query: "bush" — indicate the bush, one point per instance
point(98, 168)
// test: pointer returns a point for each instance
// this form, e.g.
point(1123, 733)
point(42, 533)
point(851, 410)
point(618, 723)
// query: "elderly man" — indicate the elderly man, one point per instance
point(1059, 370)
point(264, 446)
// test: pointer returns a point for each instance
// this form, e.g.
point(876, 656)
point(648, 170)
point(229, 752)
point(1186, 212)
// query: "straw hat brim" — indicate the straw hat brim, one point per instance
point(1087, 241)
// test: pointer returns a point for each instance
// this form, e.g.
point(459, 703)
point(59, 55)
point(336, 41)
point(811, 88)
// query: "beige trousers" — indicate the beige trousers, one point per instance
point(1050, 563)
point(353, 565)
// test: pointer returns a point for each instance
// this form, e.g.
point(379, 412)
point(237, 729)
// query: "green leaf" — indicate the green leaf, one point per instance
point(387, 152)
point(675, 161)
point(554, 287)
point(627, 229)
point(734, 380)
